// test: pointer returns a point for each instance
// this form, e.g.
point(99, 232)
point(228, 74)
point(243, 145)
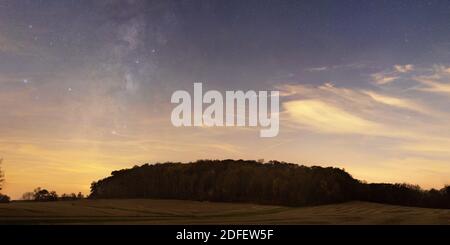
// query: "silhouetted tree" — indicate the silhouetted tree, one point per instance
point(68, 197)
point(43, 195)
point(71, 197)
point(80, 195)
point(3, 198)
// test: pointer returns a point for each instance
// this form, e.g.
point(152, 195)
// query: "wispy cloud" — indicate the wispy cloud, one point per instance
point(392, 74)
point(349, 66)
point(404, 68)
point(324, 117)
point(321, 68)
point(382, 78)
point(330, 109)
point(401, 103)
point(438, 81)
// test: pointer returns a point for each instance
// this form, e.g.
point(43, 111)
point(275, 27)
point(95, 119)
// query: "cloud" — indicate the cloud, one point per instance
point(349, 66)
point(392, 101)
point(323, 117)
point(401, 103)
point(330, 109)
point(431, 85)
point(392, 74)
point(437, 82)
point(358, 100)
point(382, 78)
point(314, 69)
point(404, 68)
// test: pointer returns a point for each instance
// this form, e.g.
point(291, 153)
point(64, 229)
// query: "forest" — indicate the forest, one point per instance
point(272, 182)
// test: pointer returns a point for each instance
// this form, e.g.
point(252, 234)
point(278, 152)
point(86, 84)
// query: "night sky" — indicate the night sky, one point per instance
point(85, 86)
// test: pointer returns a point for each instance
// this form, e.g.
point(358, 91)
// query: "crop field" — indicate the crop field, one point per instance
point(151, 211)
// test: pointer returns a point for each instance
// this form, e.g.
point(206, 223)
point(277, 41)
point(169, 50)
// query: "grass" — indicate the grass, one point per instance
point(150, 211)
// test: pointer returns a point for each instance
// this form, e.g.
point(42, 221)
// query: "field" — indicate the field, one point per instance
point(149, 211)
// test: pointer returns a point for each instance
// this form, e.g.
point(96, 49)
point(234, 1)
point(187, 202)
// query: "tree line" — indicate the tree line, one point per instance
point(273, 182)
point(43, 195)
